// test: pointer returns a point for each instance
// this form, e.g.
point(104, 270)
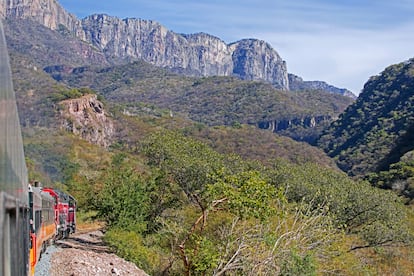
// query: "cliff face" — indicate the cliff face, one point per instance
point(305, 122)
point(196, 54)
point(125, 40)
point(257, 60)
point(86, 118)
point(132, 39)
point(46, 12)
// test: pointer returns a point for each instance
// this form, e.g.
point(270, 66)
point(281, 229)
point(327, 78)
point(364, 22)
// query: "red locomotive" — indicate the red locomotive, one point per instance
point(65, 212)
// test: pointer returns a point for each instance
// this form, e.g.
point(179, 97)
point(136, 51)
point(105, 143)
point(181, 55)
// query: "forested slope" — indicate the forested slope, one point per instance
point(377, 129)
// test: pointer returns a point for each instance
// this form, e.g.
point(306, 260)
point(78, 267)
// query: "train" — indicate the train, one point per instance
point(30, 216)
point(52, 216)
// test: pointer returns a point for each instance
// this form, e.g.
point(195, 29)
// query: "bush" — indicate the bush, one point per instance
point(129, 245)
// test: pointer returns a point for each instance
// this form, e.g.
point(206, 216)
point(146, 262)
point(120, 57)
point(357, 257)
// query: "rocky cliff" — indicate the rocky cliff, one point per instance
point(46, 12)
point(305, 122)
point(256, 60)
point(86, 118)
point(126, 40)
point(196, 54)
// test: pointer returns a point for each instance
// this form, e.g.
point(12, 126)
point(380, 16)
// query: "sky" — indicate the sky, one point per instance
point(342, 42)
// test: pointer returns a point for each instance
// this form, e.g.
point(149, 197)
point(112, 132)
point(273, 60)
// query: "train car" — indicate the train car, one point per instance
point(42, 223)
point(65, 212)
point(14, 204)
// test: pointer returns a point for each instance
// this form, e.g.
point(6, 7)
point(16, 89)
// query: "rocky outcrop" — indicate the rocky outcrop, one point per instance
point(297, 84)
point(256, 60)
point(196, 54)
point(126, 40)
point(46, 12)
point(86, 118)
point(305, 122)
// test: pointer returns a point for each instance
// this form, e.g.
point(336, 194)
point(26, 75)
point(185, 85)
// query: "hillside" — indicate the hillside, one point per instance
point(76, 58)
point(212, 100)
point(377, 130)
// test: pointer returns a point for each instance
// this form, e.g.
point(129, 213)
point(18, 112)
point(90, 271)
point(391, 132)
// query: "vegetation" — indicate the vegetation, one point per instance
point(399, 177)
point(190, 210)
point(189, 188)
point(66, 94)
point(212, 100)
point(377, 130)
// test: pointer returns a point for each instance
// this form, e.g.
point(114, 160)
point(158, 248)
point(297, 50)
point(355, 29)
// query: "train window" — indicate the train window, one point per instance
point(38, 220)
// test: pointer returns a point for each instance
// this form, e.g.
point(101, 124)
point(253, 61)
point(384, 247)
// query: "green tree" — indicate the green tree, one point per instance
point(124, 200)
point(376, 215)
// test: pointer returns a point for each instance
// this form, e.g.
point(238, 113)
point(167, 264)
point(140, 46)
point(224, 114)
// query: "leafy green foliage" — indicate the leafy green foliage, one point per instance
point(298, 265)
point(357, 207)
point(124, 201)
point(245, 194)
point(192, 164)
point(131, 246)
point(377, 129)
point(399, 177)
point(225, 199)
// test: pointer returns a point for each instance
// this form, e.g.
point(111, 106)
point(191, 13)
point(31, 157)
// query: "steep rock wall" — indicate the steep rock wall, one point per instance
point(125, 40)
point(305, 122)
point(87, 118)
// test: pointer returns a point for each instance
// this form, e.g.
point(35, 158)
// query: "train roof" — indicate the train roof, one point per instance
point(62, 195)
point(39, 192)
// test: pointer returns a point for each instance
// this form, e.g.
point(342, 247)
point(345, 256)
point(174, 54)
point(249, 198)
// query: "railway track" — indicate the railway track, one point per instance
point(90, 241)
point(85, 254)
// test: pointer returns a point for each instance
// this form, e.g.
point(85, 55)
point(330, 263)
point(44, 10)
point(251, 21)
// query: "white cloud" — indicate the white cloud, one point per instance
point(343, 57)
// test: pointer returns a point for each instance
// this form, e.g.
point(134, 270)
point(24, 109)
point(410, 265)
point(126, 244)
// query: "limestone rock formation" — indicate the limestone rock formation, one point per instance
point(46, 12)
point(126, 40)
point(256, 60)
point(306, 122)
point(86, 118)
point(196, 54)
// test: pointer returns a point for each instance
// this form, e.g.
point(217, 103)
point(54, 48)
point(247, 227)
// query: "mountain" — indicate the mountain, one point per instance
point(213, 101)
point(378, 129)
point(125, 40)
point(297, 84)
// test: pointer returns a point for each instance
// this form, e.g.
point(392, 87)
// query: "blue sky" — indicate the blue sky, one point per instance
point(342, 42)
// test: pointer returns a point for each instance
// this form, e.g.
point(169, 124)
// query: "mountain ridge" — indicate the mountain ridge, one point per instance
point(130, 39)
point(376, 130)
